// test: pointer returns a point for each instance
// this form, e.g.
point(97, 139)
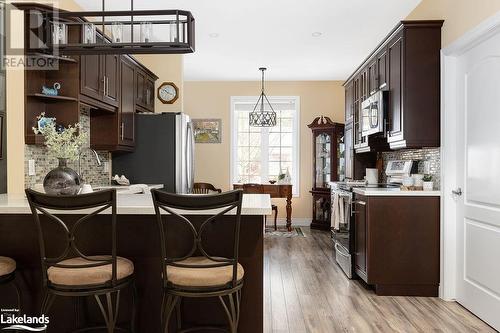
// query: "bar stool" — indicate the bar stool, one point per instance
point(197, 274)
point(73, 273)
point(8, 275)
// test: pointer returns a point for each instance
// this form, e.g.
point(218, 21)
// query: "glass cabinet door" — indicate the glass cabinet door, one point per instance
point(341, 153)
point(323, 143)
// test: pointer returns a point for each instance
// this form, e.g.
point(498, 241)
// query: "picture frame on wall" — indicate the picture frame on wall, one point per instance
point(207, 130)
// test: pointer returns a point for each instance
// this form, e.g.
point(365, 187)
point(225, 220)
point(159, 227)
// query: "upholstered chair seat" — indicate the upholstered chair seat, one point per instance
point(7, 266)
point(202, 277)
point(88, 275)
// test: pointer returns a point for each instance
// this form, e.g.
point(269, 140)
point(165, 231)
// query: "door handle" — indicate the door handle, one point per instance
point(457, 192)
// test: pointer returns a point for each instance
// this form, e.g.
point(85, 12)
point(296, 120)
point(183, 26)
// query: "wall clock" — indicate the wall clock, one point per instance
point(168, 92)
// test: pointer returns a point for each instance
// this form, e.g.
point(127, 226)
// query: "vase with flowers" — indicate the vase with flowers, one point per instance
point(63, 143)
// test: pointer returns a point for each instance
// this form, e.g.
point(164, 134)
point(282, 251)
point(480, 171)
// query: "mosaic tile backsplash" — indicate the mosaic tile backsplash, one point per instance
point(433, 155)
point(91, 172)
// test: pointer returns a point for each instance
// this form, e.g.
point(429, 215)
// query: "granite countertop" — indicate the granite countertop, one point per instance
point(140, 204)
point(393, 192)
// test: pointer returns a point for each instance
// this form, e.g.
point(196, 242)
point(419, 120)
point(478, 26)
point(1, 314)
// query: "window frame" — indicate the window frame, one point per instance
point(295, 137)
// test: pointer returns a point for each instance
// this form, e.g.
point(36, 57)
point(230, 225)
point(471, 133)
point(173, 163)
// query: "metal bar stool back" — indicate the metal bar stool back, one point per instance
point(214, 276)
point(71, 272)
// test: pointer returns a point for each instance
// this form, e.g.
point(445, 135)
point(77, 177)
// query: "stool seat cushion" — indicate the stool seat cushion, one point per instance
point(88, 275)
point(7, 266)
point(202, 277)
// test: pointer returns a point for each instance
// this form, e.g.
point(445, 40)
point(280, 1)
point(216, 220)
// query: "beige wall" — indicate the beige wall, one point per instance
point(459, 15)
point(212, 100)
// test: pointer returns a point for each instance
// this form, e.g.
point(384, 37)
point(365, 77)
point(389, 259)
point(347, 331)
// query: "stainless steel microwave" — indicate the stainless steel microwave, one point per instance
point(373, 113)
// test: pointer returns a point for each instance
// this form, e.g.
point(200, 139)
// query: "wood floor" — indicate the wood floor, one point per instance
point(305, 291)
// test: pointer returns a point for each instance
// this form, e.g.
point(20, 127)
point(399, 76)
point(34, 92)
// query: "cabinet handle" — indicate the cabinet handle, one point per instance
point(359, 202)
point(121, 130)
point(107, 85)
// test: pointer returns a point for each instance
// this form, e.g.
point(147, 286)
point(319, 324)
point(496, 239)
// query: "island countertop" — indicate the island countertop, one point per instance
point(138, 204)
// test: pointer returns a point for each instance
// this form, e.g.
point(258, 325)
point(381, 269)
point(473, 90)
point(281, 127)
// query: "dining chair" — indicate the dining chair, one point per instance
point(198, 273)
point(205, 188)
point(72, 272)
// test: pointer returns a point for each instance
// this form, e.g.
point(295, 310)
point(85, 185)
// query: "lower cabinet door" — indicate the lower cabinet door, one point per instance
point(360, 230)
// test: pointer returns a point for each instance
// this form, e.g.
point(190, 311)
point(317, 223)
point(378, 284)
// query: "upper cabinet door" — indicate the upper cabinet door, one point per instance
point(382, 68)
point(396, 75)
point(349, 101)
point(150, 94)
point(127, 106)
point(372, 77)
point(140, 92)
point(91, 83)
point(111, 78)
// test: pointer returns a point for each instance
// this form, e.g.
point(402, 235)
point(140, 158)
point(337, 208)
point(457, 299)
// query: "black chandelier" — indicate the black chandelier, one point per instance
point(262, 118)
point(111, 32)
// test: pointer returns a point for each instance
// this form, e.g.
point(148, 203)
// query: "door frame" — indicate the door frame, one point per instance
point(449, 148)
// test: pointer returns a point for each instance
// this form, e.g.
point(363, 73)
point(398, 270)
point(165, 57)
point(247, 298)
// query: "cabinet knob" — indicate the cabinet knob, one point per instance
point(457, 192)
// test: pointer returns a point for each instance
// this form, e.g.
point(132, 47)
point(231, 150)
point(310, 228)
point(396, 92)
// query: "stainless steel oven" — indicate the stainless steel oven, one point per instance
point(373, 113)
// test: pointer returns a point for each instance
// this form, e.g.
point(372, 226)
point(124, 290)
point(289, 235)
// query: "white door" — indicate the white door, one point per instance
point(478, 170)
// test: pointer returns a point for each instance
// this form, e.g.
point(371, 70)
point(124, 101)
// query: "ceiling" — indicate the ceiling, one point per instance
point(278, 34)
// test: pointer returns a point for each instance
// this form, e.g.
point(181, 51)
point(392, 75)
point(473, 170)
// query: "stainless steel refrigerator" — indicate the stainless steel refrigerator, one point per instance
point(164, 152)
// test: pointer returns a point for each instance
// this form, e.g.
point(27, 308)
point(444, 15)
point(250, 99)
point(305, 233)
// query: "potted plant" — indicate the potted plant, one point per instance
point(63, 144)
point(428, 184)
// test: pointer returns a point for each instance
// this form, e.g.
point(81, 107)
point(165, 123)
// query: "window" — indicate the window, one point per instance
point(259, 154)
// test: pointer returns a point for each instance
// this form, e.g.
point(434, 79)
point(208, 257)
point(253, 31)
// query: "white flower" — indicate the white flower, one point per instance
point(65, 143)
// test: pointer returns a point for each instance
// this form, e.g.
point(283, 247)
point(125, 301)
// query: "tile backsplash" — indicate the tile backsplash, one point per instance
point(433, 155)
point(91, 172)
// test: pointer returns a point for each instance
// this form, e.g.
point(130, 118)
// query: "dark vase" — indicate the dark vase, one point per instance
point(62, 180)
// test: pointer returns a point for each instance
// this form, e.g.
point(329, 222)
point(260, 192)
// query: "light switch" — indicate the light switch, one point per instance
point(31, 167)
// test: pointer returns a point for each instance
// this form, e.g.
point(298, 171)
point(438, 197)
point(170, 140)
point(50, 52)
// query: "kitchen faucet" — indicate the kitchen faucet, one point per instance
point(80, 160)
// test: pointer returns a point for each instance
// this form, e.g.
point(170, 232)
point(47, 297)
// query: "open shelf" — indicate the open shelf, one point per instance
point(49, 97)
point(51, 56)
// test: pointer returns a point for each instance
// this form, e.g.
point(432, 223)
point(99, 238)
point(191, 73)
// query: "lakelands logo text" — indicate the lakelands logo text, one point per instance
point(24, 322)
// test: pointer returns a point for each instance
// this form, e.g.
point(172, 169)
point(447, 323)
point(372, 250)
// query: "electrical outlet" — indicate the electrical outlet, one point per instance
point(105, 166)
point(31, 167)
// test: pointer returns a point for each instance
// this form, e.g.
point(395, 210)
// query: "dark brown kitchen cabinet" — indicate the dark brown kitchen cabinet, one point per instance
point(100, 78)
point(111, 77)
point(145, 91)
point(373, 77)
point(396, 78)
point(126, 119)
point(90, 76)
point(114, 131)
point(360, 237)
point(397, 243)
point(382, 68)
point(407, 64)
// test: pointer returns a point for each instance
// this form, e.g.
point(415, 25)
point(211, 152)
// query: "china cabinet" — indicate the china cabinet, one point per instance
point(328, 166)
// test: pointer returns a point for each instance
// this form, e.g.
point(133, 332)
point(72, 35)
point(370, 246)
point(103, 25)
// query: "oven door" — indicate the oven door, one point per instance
point(372, 113)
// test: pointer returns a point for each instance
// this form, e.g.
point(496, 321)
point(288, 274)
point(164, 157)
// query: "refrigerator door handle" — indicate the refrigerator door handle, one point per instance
point(190, 157)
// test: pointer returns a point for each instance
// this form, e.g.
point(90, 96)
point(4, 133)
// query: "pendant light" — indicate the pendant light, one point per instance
point(259, 117)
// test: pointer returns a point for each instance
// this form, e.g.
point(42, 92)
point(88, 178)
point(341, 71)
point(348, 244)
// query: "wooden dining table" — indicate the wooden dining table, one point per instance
point(275, 191)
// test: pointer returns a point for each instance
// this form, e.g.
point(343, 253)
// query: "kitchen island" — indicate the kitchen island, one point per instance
point(137, 240)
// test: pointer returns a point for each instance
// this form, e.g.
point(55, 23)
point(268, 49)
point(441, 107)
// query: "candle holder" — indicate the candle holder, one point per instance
point(89, 33)
point(146, 32)
point(117, 32)
point(59, 33)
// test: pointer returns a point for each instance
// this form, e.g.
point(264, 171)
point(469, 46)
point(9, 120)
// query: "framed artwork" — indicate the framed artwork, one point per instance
point(207, 130)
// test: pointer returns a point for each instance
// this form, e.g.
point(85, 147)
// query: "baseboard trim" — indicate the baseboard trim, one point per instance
point(298, 222)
